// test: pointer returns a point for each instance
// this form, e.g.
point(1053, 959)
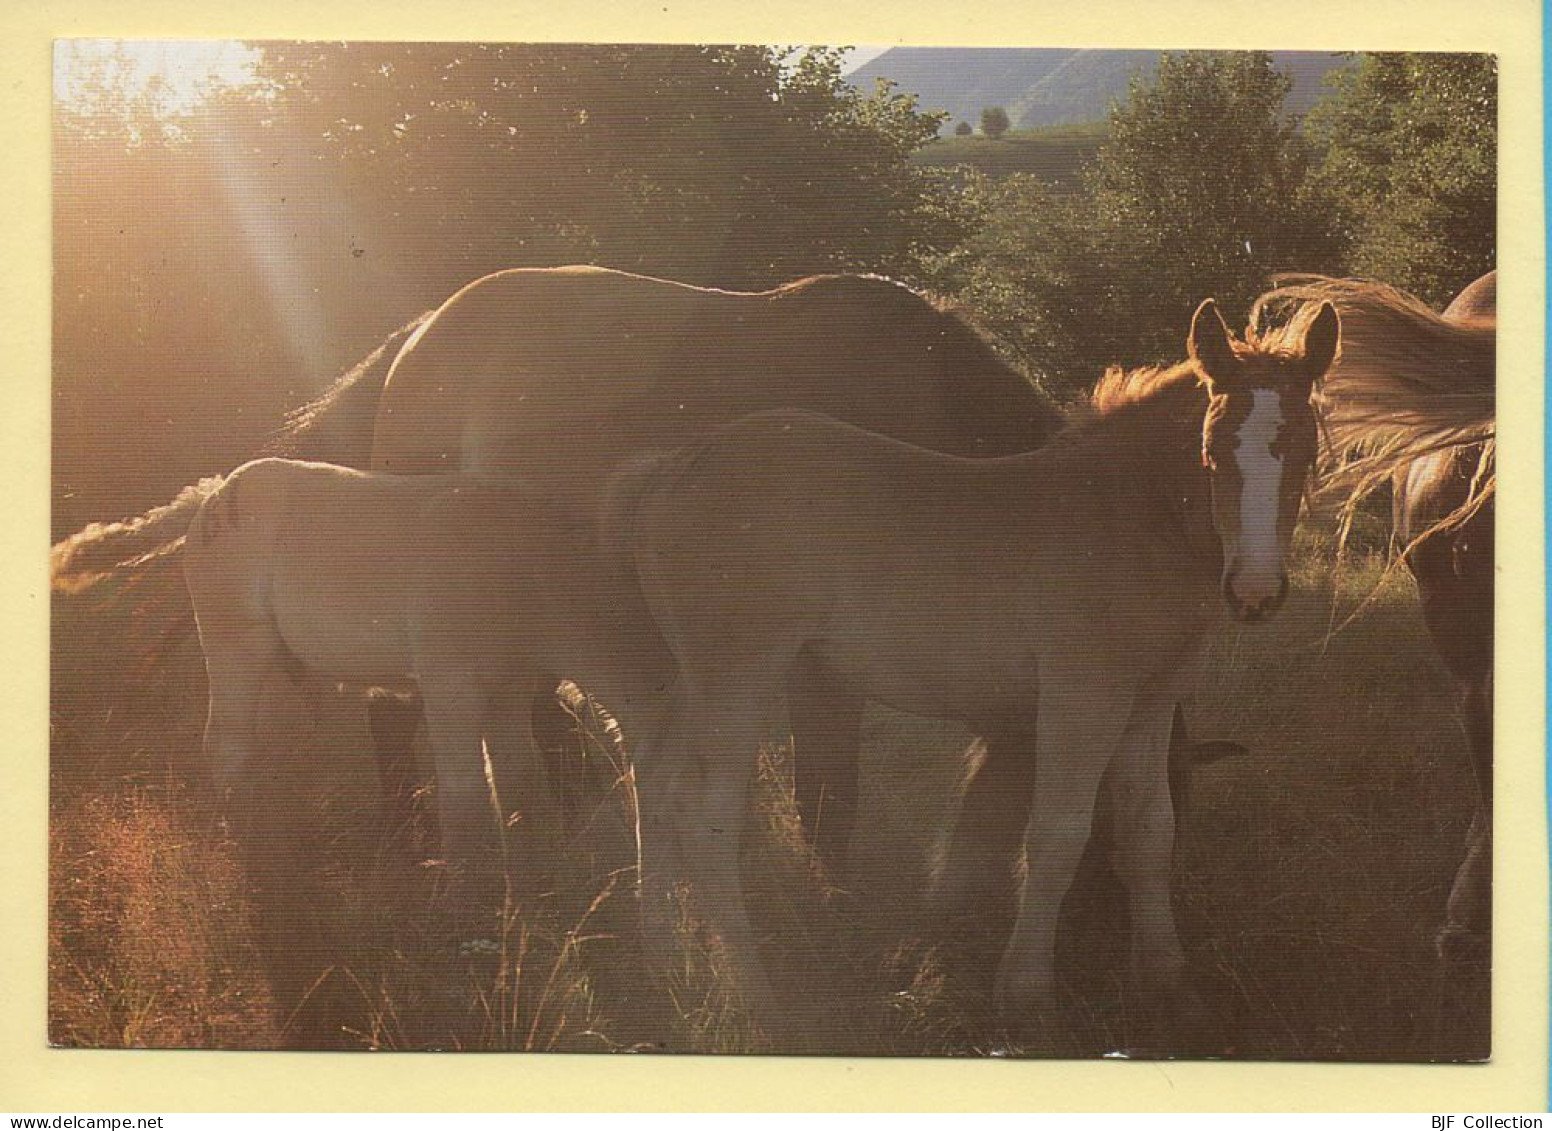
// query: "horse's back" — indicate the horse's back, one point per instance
point(1479, 301)
point(560, 374)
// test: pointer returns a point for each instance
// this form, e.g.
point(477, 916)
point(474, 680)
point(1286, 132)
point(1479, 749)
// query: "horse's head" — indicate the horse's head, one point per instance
point(1259, 442)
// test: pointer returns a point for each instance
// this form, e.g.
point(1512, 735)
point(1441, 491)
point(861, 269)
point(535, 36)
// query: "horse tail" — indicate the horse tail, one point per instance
point(337, 425)
point(106, 550)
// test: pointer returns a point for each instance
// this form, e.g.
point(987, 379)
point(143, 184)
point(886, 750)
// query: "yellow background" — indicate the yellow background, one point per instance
point(37, 1079)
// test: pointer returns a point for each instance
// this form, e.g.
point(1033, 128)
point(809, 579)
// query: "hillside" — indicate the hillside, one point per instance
point(1053, 153)
point(1046, 86)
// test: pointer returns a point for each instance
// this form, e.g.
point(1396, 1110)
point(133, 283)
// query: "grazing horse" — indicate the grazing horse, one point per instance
point(1414, 393)
point(1064, 595)
point(563, 375)
point(466, 587)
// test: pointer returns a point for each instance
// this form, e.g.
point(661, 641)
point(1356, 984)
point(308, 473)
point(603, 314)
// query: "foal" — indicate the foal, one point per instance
point(1063, 594)
point(463, 586)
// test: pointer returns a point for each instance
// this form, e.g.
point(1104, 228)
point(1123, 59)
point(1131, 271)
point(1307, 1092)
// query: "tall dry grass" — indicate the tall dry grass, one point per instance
point(1314, 872)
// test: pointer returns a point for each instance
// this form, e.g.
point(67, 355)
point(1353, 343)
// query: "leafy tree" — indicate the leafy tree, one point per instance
point(964, 129)
point(726, 165)
point(1202, 178)
point(1198, 191)
point(221, 264)
point(994, 122)
point(1410, 168)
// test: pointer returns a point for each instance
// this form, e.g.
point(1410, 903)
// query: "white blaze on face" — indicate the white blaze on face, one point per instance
point(1259, 551)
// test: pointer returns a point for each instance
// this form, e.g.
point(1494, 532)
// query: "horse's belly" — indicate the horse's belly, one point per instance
point(961, 676)
point(350, 633)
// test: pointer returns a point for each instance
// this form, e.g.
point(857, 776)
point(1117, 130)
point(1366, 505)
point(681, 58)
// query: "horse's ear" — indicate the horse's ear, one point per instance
point(1209, 344)
point(1321, 342)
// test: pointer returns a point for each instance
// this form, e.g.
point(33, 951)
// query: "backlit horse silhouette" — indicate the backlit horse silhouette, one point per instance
point(1062, 595)
point(467, 588)
point(563, 375)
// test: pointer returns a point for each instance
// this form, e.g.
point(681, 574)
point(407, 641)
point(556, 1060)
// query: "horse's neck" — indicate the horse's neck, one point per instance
point(1146, 457)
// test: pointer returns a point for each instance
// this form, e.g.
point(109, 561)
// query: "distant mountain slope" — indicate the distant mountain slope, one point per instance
point(1045, 86)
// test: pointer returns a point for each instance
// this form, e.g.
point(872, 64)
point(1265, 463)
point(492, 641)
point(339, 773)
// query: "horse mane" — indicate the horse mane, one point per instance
point(1408, 383)
point(1122, 388)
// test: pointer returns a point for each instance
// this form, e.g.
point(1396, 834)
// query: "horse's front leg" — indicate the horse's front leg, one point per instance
point(458, 711)
point(1083, 712)
point(1143, 823)
point(974, 877)
point(1466, 937)
point(827, 748)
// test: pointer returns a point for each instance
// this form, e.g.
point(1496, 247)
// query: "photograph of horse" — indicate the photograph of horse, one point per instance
point(1180, 496)
point(884, 610)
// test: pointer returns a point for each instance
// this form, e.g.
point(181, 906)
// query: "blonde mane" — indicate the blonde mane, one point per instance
point(1120, 388)
point(1409, 383)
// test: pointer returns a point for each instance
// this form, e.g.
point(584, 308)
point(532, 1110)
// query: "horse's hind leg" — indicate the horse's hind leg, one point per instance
point(827, 746)
point(975, 876)
point(393, 721)
point(1470, 906)
point(1462, 1013)
point(1466, 936)
point(251, 687)
point(694, 792)
point(458, 709)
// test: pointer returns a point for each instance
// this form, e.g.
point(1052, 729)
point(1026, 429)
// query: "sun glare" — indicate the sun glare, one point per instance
point(181, 71)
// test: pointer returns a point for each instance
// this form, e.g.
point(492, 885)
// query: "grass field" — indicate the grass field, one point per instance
point(1056, 154)
point(1312, 876)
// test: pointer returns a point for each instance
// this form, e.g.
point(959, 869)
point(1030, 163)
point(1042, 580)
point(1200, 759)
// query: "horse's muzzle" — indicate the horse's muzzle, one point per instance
point(1252, 603)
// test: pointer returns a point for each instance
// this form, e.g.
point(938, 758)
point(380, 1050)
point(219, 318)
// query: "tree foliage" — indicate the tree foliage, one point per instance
point(1410, 168)
point(994, 122)
point(733, 165)
point(1198, 191)
point(215, 265)
point(219, 264)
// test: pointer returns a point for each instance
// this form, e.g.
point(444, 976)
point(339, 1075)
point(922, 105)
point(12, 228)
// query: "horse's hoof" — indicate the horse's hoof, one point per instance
point(1206, 753)
point(1461, 949)
point(1030, 1016)
point(1171, 1022)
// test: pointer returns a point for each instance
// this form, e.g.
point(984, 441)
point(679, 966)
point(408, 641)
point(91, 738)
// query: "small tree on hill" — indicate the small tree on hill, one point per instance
point(964, 129)
point(994, 121)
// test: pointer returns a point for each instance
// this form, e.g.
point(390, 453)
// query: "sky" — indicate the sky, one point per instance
point(857, 56)
point(186, 66)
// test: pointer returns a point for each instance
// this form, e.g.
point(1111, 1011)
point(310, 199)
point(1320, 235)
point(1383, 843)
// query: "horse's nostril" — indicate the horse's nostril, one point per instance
point(1228, 588)
point(1275, 602)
